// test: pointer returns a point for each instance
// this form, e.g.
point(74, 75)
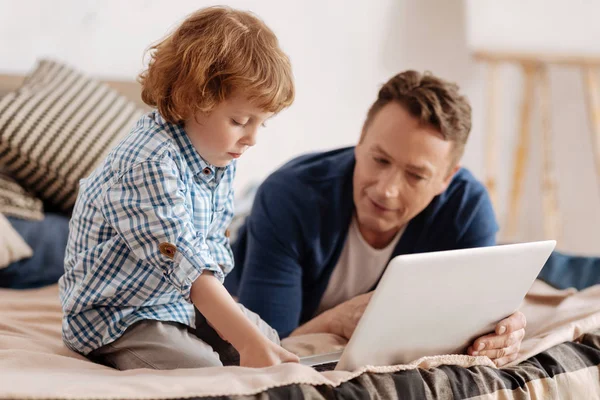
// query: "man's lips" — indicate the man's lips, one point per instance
point(379, 206)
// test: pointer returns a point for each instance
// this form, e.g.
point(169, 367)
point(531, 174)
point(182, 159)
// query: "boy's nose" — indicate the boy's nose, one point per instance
point(249, 139)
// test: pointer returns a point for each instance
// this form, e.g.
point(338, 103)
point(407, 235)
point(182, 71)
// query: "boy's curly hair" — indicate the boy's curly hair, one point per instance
point(214, 52)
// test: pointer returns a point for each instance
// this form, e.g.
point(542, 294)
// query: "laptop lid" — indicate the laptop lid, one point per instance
point(438, 303)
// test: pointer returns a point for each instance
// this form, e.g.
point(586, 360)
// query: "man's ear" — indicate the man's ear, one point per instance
point(448, 178)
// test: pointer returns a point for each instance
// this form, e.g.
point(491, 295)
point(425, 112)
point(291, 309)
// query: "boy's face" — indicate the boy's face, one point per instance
point(227, 131)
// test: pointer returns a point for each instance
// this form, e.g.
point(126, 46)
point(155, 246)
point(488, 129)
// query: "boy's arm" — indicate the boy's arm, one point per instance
point(214, 302)
point(147, 207)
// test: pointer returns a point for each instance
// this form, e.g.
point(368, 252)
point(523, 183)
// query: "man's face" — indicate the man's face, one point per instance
point(227, 131)
point(401, 165)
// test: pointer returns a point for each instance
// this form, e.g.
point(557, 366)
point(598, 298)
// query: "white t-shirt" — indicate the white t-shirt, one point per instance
point(358, 269)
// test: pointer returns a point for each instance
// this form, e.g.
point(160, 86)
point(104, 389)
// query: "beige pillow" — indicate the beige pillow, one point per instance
point(12, 246)
point(57, 127)
point(17, 202)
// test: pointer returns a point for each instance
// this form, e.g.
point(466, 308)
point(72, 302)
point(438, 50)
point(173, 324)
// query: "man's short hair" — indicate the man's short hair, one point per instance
point(214, 52)
point(432, 100)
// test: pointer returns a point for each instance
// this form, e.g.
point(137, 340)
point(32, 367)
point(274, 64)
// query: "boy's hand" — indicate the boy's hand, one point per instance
point(265, 354)
point(232, 325)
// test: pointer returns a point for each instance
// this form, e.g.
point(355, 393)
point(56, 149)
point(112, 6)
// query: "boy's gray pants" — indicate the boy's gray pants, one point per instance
point(170, 345)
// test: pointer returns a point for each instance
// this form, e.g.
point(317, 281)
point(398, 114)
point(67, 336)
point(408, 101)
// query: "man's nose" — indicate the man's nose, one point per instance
point(390, 184)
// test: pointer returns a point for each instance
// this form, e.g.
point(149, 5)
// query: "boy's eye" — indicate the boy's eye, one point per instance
point(237, 123)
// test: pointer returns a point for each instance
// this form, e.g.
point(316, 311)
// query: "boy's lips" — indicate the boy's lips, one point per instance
point(235, 155)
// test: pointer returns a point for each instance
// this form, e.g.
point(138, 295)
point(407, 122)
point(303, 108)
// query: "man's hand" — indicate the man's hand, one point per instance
point(345, 316)
point(503, 345)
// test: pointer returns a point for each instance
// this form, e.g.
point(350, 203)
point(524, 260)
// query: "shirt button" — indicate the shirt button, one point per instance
point(206, 171)
point(167, 249)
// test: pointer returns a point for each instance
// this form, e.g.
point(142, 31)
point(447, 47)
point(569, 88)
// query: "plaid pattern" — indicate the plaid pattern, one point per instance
point(153, 188)
point(568, 371)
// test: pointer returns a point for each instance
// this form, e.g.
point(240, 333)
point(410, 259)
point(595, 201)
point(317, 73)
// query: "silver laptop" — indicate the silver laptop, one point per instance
point(438, 303)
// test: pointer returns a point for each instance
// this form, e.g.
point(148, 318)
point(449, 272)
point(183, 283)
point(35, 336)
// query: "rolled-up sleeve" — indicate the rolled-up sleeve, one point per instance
point(147, 207)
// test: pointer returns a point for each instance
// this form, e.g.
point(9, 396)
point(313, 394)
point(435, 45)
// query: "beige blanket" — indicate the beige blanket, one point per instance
point(34, 363)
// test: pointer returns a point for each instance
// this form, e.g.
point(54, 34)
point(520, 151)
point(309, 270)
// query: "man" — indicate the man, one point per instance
point(324, 226)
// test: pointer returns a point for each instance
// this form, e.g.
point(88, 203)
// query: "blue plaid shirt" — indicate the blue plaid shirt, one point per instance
point(152, 195)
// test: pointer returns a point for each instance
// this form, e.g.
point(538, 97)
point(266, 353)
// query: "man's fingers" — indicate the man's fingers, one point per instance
point(505, 360)
point(493, 341)
point(502, 346)
point(495, 354)
point(481, 342)
point(513, 323)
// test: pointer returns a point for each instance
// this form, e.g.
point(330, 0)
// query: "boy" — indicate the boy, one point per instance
point(148, 242)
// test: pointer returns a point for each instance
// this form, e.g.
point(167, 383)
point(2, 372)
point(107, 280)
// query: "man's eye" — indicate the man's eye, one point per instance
point(381, 161)
point(415, 176)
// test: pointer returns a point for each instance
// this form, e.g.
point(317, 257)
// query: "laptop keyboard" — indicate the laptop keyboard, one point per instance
point(330, 366)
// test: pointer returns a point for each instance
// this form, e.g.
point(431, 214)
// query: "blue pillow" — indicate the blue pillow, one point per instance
point(48, 239)
point(565, 270)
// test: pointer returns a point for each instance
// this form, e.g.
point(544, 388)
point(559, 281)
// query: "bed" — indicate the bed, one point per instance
point(34, 363)
point(559, 358)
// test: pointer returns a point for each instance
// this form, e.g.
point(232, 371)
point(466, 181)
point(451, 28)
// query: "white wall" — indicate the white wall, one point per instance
point(341, 52)
point(541, 26)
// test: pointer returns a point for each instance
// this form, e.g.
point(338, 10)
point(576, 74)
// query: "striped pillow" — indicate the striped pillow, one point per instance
point(16, 202)
point(57, 127)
